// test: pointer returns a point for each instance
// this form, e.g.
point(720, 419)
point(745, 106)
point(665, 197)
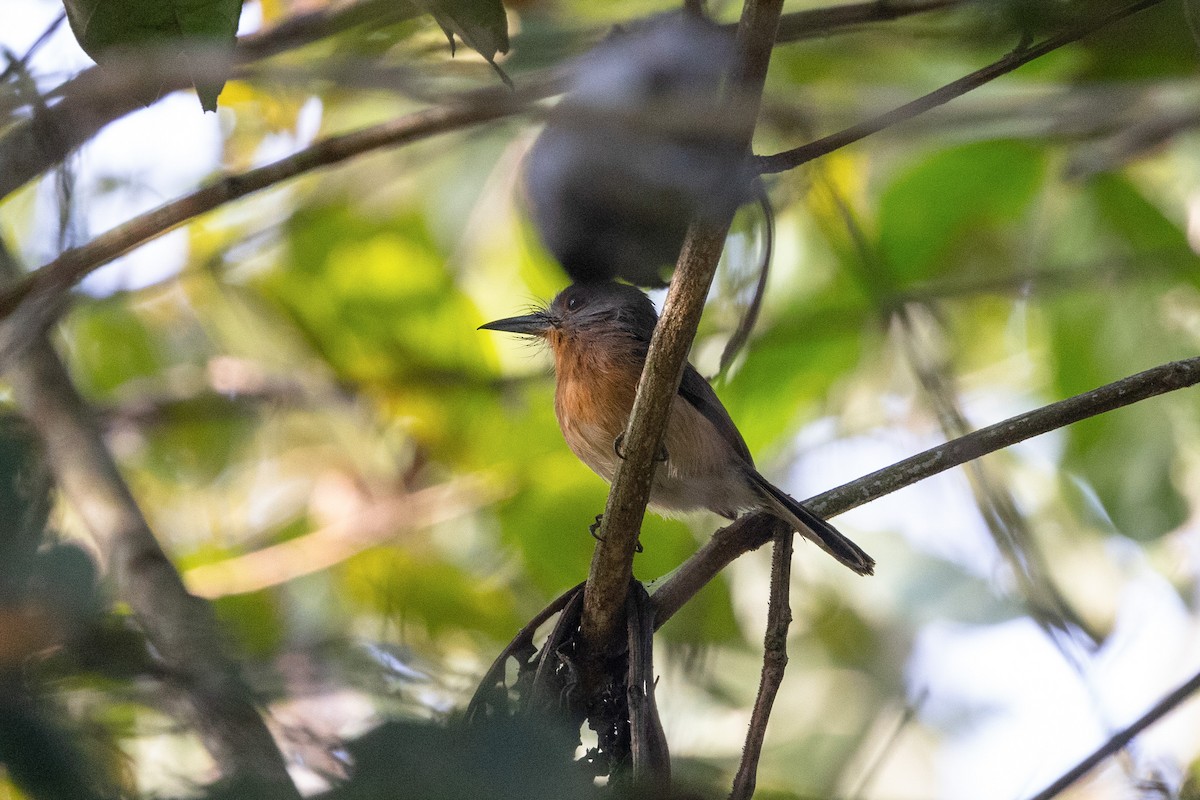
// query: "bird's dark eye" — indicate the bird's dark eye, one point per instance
point(574, 303)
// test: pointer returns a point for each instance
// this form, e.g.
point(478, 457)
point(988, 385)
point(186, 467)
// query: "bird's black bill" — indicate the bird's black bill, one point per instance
point(529, 325)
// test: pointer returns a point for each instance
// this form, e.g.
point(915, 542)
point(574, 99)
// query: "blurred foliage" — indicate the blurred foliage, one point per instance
point(313, 364)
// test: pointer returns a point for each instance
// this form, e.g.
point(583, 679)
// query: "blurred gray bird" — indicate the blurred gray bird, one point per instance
point(641, 145)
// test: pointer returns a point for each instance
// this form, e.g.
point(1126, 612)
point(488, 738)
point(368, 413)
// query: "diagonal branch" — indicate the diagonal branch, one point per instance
point(753, 531)
point(1121, 739)
point(181, 627)
point(816, 22)
point(612, 564)
point(790, 159)
point(34, 302)
point(87, 103)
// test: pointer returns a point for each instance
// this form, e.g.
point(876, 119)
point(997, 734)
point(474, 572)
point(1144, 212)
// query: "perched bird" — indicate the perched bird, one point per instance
point(599, 334)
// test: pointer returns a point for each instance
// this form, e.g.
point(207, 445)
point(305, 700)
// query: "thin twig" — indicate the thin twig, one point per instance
point(22, 63)
point(612, 563)
point(181, 627)
point(775, 659)
point(1121, 739)
point(790, 159)
point(872, 768)
point(751, 532)
point(741, 333)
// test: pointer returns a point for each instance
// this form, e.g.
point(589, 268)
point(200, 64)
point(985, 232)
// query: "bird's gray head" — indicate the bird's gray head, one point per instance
point(588, 309)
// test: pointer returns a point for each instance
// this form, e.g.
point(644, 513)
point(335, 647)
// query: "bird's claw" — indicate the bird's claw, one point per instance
point(594, 530)
point(660, 456)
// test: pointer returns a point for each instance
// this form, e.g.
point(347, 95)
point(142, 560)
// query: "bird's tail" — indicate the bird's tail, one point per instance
point(808, 524)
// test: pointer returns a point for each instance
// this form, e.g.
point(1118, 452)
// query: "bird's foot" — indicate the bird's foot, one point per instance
point(594, 530)
point(660, 456)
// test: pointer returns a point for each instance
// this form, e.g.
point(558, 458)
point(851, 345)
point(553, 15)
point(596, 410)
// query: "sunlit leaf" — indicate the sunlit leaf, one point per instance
point(406, 585)
point(953, 208)
point(1146, 231)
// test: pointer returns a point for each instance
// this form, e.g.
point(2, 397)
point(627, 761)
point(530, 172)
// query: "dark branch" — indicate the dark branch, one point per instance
point(753, 531)
point(790, 159)
point(817, 22)
point(1122, 738)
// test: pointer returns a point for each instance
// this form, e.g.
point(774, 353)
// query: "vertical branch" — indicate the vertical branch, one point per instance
point(612, 565)
point(181, 627)
point(775, 659)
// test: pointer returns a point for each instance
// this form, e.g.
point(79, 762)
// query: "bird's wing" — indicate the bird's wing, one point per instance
point(696, 391)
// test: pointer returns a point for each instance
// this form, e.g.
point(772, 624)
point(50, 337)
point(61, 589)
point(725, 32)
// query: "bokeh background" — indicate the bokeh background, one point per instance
point(376, 496)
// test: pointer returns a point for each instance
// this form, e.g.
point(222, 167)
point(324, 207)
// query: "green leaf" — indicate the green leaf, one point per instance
point(1128, 457)
point(1141, 226)
point(952, 208)
point(793, 364)
point(375, 298)
point(255, 620)
point(404, 584)
point(105, 27)
point(112, 345)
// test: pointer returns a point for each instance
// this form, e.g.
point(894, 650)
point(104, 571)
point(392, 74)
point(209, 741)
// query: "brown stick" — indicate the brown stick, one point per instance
point(750, 532)
point(790, 159)
point(775, 659)
point(181, 627)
